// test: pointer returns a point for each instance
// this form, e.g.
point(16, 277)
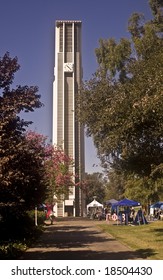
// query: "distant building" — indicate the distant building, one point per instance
point(67, 131)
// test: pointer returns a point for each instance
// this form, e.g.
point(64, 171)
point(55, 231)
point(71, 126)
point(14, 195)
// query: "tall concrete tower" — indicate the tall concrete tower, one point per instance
point(67, 131)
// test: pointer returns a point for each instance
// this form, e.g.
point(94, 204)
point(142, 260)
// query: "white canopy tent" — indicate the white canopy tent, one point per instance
point(93, 205)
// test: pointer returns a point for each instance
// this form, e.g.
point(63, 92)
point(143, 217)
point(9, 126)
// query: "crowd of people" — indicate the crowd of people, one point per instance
point(125, 215)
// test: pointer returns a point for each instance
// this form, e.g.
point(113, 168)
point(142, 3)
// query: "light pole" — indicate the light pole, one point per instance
point(36, 213)
point(36, 216)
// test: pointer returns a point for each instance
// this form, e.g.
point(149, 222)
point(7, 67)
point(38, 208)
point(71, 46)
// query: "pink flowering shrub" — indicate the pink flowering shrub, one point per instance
point(57, 166)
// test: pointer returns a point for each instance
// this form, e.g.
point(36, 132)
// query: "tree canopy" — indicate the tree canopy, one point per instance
point(121, 105)
point(55, 166)
point(15, 158)
point(95, 187)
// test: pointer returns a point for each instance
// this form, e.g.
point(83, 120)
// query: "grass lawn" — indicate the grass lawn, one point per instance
point(147, 240)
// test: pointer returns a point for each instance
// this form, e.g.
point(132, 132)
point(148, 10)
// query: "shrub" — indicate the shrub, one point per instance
point(41, 216)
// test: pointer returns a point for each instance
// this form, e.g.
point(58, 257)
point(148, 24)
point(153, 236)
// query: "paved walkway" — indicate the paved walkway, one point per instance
point(77, 239)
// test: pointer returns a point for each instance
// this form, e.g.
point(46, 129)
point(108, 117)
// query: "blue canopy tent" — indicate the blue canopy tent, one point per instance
point(157, 204)
point(125, 203)
point(155, 209)
point(110, 204)
point(111, 201)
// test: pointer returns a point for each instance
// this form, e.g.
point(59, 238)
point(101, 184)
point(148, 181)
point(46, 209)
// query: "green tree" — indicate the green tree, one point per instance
point(20, 177)
point(141, 189)
point(121, 105)
point(115, 185)
point(95, 187)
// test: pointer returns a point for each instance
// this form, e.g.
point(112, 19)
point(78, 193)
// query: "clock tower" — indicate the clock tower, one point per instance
point(67, 130)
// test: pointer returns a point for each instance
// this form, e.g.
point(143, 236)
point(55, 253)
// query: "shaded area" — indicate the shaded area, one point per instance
point(82, 255)
point(70, 237)
point(88, 255)
point(75, 240)
point(159, 231)
point(145, 253)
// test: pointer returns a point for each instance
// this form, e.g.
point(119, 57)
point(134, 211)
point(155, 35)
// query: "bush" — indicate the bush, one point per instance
point(18, 231)
point(41, 216)
point(12, 250)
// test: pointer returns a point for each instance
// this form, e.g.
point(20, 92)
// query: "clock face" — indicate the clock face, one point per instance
point(68, 67)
